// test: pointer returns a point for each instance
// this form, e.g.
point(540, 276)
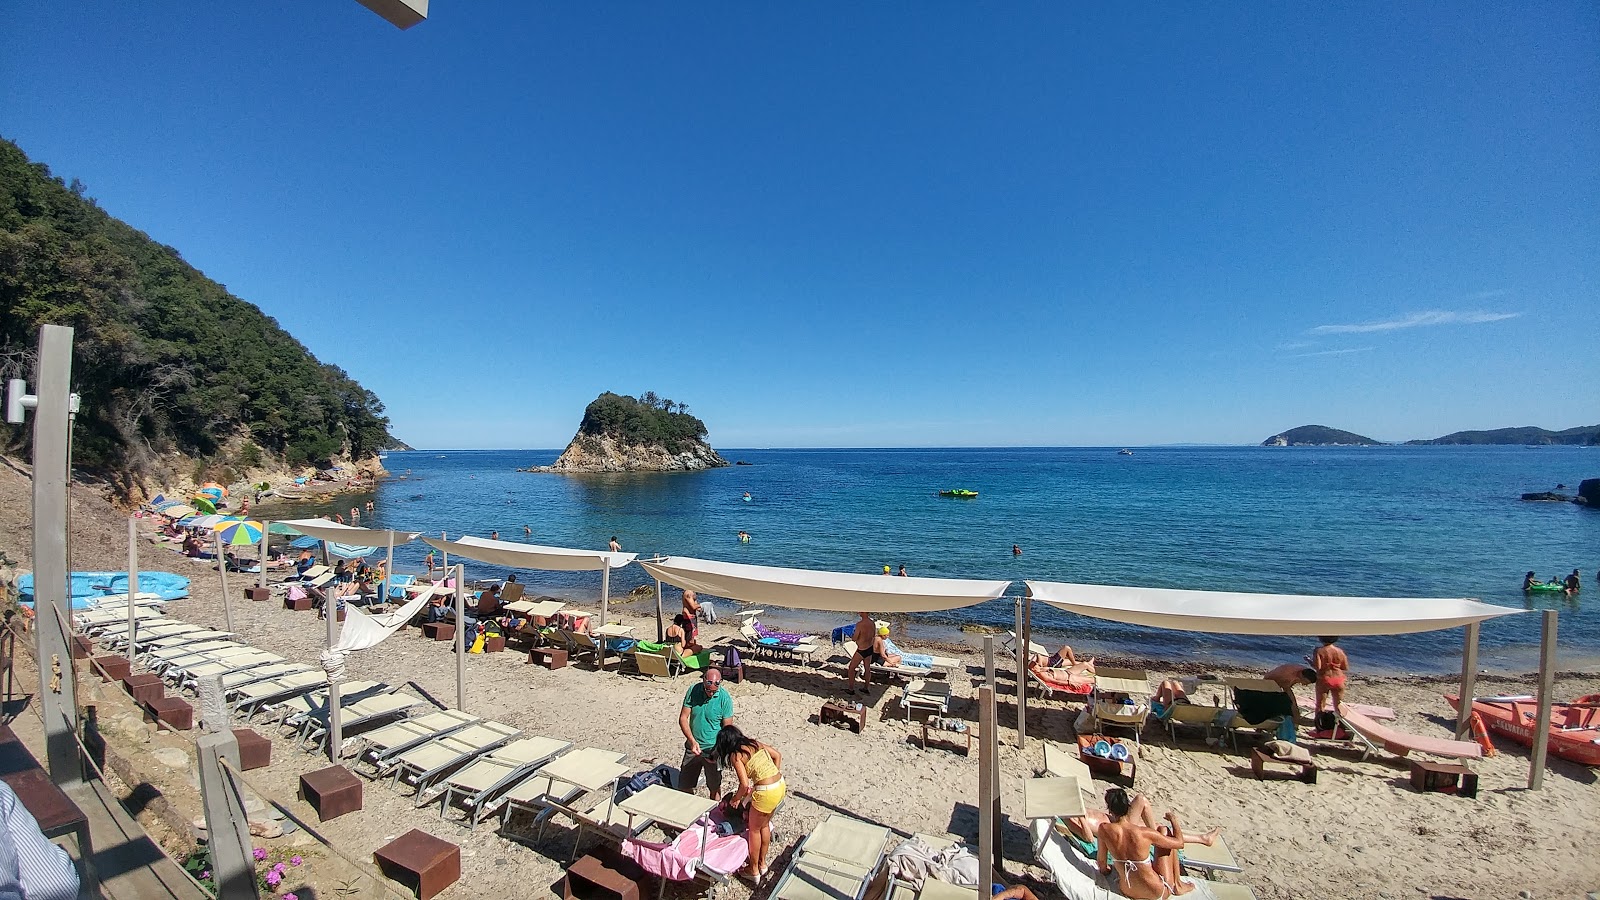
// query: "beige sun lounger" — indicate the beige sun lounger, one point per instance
point(105, 616)
point(220, 664)
point(355, 715)
point(930, 696)
point(548, 791)
point(603, 817)
point(477, 784)
point(654, 665)
point(426, 763)
point(292, 711)
point(1075, 876)
point(836, 861)
point(398, 737)
point(250, 698)
point(168, 656)
point(941, 665)
point(178, 638)
point(1374, 735)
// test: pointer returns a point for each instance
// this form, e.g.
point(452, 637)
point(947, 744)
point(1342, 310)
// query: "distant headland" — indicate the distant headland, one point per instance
point(1323, 436)
point(636, 434)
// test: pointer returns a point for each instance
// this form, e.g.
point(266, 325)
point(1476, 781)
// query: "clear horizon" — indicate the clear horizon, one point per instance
point(1048, 226)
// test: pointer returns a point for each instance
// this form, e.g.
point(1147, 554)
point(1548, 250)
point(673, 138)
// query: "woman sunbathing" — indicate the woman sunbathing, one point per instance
point(1125, 846)
point(1077, 677)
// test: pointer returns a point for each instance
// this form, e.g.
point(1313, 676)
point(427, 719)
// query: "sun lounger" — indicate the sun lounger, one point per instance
point(800, 651)
point(1105, 709)
point(144, 642)
point(655, 665)
point(425, 764)
point(1191, 715)
point(242, 677)
point(292, 712)
point(105, 616)
point(548, 790)
point(603, 817)
point(941, 665)
point(579, 645)
point(161, 658)
point(930, 696)
point(1260, 698)
point(1059, 681)
point(397, 737)
point(251, 698)
point(477, 785)
point(357, 715)
point(1076, 878)
point(836, 861)
point(1374, 735)
point(189, 677)
point(1384, 713)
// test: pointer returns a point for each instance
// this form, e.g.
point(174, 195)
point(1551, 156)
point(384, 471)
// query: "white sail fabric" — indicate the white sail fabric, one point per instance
point(1224, 612)
point(323, 529)
point(812, 589)
point(513, 555)
point(363, 631)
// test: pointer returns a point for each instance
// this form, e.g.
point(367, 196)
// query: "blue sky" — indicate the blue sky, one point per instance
point(869, 224)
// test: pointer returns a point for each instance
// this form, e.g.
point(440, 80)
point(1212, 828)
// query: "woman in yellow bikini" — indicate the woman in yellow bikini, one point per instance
point(760, 786)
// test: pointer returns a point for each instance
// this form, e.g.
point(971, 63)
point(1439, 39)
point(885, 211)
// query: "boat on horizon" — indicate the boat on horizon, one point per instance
point(1574, 727)
point(962, 493)
point(1124, 452)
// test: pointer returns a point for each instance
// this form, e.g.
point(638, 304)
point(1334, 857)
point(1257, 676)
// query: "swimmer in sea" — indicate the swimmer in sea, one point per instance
point(1016, 550)
point(747, 496)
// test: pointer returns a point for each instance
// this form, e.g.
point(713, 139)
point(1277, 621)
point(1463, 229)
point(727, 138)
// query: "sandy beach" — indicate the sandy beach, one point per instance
point(1361, 831)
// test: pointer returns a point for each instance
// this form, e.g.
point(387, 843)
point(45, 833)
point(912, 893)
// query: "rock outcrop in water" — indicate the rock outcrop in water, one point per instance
point(644, 434)
point(1588, 493)
point(1319, 436)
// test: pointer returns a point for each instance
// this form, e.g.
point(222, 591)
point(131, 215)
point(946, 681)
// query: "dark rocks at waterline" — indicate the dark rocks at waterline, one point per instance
point(743, 463)
point(1546, 497)
point(1589, 493)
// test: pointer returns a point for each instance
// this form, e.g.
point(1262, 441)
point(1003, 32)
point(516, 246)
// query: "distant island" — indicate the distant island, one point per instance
point(1319, 436)
point(1584, 435)
point(647, 433)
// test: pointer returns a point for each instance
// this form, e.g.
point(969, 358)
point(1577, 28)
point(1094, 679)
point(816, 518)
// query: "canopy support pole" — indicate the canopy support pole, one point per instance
point(330, 614)
point(222, 569)
point(1547, 684)
point(133, 587)
point(605, 606)
point(461, 636)
point(1021, 660)
point(661, 631)
point(444, 563)
point(266, 536)
point(388, 569)
point(1469, 678)
point(986, 768)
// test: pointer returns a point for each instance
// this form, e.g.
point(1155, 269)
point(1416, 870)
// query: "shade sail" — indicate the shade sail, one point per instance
point(1287, 614)
point(811, 589)
point(513, 555)
point(348, 534)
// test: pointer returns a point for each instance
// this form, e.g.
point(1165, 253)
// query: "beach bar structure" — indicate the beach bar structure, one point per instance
point(514, 555)
point(1224, 612)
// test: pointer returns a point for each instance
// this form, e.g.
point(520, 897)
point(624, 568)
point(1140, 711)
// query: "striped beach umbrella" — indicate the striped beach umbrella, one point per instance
point(179, 511)
point(209, 521)
point(239, 532)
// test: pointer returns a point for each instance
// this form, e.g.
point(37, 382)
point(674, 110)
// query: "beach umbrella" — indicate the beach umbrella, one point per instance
point(203, 503)
point(211, 521)
point(213, 486)
point(350, 551)
point(214, 493)
point(306, 542)
point(179, 511)
point(280, 528)
point(239, 533)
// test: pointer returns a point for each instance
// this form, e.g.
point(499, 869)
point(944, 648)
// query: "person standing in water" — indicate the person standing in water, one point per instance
point(902, 572)
point(615, 547)
point(1016, 550)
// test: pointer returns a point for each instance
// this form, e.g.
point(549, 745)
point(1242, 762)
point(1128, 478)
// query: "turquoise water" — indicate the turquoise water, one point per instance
point(1393, 521)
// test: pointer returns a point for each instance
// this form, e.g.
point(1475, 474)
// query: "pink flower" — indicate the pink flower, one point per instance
point(295, 861)
point(290, 897)
point(279, 868)
point(205, 874)
point(273, 878)
point(259, 853)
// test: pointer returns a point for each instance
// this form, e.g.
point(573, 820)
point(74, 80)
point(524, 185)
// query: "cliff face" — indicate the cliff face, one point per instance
point(605, 453)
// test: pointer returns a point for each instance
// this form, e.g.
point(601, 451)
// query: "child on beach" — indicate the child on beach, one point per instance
point(1332, 668)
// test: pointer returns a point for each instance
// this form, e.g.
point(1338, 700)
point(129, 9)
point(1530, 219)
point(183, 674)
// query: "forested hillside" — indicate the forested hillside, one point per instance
point(170, 366)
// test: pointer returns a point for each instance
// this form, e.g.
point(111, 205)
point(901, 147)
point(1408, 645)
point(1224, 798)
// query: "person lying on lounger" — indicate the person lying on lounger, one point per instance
point(1076, 678)
point(1124, 846)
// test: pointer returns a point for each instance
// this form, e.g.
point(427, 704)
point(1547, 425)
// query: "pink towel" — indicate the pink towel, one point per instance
point(679, 860)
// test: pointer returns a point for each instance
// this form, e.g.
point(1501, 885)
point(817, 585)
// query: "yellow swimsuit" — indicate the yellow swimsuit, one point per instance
point(764, 798)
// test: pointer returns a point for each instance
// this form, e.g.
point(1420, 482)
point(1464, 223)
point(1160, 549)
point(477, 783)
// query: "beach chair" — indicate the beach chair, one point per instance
point(604, 818)
point(293, 712)
point(543, 794)
point(695, 661)
point(1373, 735)
point(355, 716)
point(397, 737)
point(1070, 688)
point(932, 697)
point(1009, 644)
point(1121, 699)
point(836, 861)
point(512, 592)
point(143, 643)
point(251, 698)
point(238, 679)
point(580, 645)
point(477, 785)
point(1076, 876)
point(163, 657)
point(426, 763)
point(1261, 707)
point(652, 664)
point(189, 676)
point(1191, 715)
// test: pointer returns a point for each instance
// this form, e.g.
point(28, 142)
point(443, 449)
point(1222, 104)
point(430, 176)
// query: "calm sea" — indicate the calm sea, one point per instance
point(1393, 521)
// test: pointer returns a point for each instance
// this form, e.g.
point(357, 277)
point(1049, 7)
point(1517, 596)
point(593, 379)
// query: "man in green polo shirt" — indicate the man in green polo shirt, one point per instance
point(706, 708)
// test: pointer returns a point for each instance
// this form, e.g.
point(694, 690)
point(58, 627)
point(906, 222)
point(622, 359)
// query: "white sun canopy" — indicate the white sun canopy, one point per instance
point(811, 589)
point(1286, 614)
point(513, 555)
point(322, 529)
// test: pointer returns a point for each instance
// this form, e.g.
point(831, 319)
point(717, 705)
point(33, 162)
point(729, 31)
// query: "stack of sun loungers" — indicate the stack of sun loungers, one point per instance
point(478, 785)
point(559, 785)
point(836, 861)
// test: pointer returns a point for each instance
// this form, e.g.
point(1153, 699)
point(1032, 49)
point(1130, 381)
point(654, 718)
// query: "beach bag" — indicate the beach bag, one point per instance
point(661, 775)
point(477, 644)
point(1326, 720)
point(730, 658)
point(708, 613)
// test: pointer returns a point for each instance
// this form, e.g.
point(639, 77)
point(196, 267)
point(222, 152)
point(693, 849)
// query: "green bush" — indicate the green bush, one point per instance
point(645, 420)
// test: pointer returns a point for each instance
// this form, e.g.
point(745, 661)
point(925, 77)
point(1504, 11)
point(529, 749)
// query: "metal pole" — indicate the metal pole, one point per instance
point(222, 569)
point(605, 605)
point(330, 615)
point(1469, 678)
point(1022, 680)
point(133, 586)
point(661, 632)
point(444, 562)
point(461, 634)
point(388, 571)
point(52, 602)
point(1547, 679)
point(266, 537)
